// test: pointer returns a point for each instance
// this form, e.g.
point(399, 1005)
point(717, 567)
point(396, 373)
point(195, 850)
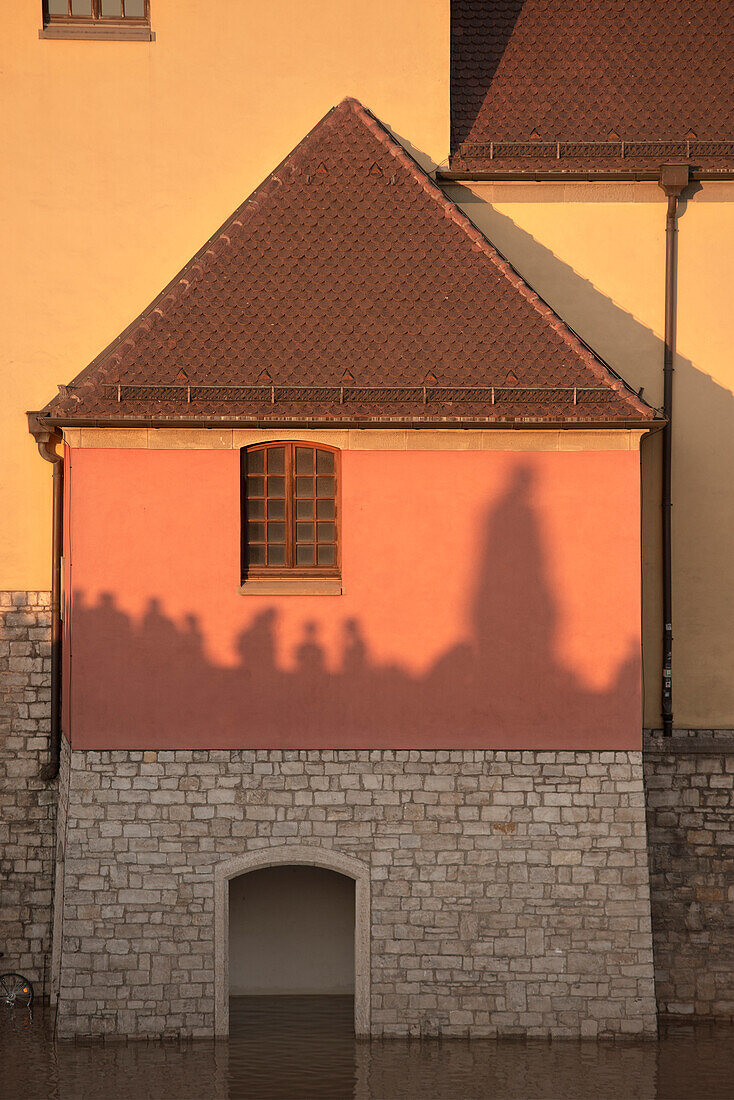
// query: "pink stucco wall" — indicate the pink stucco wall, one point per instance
point(490, 599)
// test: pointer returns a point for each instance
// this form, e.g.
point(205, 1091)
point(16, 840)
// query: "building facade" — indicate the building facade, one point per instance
point(415, 660)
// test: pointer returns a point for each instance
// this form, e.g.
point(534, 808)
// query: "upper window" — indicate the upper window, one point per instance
point(96, 19)
point(290, 515)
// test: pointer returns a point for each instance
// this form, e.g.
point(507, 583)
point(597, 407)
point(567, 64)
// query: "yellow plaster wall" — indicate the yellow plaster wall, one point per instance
point(596, 253)
point(121, 158)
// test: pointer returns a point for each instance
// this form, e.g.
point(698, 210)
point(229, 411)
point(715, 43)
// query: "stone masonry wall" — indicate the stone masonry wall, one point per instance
point(690, 815)
point(27, 804)
point(509, 890)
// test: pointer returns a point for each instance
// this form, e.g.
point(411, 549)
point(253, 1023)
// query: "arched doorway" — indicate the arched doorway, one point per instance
point(291, 932)
point(282, 868)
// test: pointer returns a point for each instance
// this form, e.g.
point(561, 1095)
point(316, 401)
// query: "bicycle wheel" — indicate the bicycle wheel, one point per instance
point(15, 990)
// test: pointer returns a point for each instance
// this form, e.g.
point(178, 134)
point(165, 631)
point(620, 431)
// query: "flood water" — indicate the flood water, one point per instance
point(303, 1047)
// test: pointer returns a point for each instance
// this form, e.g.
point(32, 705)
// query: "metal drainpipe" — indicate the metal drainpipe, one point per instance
point(673, 179)
point(46, 441)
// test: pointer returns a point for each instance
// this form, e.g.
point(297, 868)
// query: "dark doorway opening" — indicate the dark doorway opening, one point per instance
point(291, 954)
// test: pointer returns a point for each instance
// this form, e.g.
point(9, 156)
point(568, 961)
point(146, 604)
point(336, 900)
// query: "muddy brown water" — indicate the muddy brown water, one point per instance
point(304, 1047)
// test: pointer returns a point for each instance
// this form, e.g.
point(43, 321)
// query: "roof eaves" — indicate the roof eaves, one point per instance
point(486, 423)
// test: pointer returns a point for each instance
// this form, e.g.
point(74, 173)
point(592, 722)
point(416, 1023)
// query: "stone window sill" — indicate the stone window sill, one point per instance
point(292, 586)
point(97, 34)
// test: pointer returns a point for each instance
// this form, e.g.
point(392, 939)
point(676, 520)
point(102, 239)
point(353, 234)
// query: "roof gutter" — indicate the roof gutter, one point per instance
point(47, 438)
point(674, 178)
point(54, 423)
point(531, 175)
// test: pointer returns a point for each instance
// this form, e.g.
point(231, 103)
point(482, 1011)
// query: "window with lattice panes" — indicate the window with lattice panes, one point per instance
point(123, 13)
point(290, 505)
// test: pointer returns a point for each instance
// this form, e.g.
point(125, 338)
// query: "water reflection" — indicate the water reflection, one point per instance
point(292, 1046)
point(303, 1047)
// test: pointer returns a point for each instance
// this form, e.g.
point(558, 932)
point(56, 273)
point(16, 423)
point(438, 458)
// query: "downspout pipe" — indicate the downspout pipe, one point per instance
point(47, 440)
point(673, 179)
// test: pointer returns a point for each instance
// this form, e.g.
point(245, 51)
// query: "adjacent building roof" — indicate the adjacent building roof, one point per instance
point(610, 84)
point(347, 289)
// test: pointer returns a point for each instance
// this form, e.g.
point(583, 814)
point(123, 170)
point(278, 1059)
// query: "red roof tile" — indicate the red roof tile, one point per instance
point(348, 287)
point(642, 72)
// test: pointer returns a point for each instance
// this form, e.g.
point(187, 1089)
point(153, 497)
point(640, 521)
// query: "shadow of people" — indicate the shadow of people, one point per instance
point(354, 649)
point(310, 654)
point(256, 646)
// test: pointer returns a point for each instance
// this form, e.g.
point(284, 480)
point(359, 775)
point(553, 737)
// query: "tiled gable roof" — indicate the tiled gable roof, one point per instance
point(348, 288)
point(656, 75)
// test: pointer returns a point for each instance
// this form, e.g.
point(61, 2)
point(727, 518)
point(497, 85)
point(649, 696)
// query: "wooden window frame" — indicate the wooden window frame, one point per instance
point(97, 26)
point(291, 577)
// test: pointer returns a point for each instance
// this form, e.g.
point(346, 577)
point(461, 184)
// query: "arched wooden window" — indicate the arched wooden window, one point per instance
point(290, 505)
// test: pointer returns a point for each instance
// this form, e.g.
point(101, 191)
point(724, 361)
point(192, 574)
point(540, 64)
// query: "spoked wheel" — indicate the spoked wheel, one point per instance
point(16, 991)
